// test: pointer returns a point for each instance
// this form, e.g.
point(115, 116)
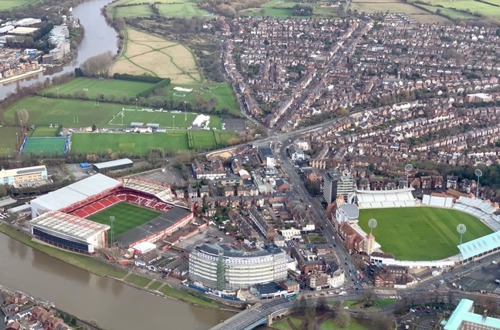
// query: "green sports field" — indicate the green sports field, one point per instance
point(421, 233)
point(92, 88)
point(45, 146)
point(127, 216)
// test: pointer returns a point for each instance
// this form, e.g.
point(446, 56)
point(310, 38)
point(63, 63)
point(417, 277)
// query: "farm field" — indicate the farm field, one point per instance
point(8, 140)
point(93, 88)
point(421, 233)
point(186, 8)
point(472, 6)
point(140, 144)
point(148, 54)
point(127, 216)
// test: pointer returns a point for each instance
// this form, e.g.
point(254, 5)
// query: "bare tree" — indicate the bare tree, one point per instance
point(97, 66)
point(22, 117)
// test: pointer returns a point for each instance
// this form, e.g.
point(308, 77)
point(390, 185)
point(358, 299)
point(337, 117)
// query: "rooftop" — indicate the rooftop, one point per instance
point(68, 224)
point(230, 251)
point(113, 163)
point(464, 313)
point(480, 245)
point(21, 171)
point(351, 210)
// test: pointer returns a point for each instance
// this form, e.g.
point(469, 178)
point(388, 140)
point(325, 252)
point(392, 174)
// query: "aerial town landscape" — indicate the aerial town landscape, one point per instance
point(210, 164)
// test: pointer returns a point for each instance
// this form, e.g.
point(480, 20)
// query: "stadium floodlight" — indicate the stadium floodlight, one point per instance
point(478, 173)
point(461, 229)
point(408, 169)
point(112, 221)
point(372, 223)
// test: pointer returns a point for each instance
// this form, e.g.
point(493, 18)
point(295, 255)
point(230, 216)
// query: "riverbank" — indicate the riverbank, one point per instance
point(21, 76)
point(102, 269)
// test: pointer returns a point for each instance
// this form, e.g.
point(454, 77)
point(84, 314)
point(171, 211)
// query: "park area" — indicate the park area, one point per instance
point(146, 54)
point(421, 233)
point(127, 216)
point(94, 88)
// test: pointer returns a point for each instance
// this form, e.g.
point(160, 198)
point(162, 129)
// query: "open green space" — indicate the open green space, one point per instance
point(183, 9)
point(284, 9)
point(284, 323)
point(421, 233)
point(87, 263)
point(77, 113)
point(93, 88)
point(470, 6)
point(127, 216)
point(331, 324)
point(154, 286)
point(45, 131)
point(45, 146)
point(141, 144)
point(133, 11)
point(8, 140)
point(137, 280)
point(10, 4)
point(189, 297)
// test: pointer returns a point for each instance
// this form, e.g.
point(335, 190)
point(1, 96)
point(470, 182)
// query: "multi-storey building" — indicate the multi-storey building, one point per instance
point(221, 267)
point(21, 176)
point(335, 184)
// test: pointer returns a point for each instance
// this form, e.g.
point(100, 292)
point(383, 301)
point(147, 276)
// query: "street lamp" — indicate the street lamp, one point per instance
point(136, 104)
point(408, 168)
point(173, 123)
point(478, 174)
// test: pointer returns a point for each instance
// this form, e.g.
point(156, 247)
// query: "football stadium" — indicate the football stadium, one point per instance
point(427, 231)
point(98, 211)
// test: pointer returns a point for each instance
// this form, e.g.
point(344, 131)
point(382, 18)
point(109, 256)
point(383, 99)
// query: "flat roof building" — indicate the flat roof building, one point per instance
point(113, 165)
point(69, 232)
point(222, 267)
point(25, 175)
point(464, 318)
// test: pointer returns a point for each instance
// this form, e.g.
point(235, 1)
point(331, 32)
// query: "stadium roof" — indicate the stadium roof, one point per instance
point(389, 191)
point(113, 163)
point(68, 224)
point(351, 210)
point(76, 192)
point(464, 313)
point(158, 224)
point(480, 245)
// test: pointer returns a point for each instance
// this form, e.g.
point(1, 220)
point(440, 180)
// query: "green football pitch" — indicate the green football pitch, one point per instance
point(127, 216)
point(421, 233)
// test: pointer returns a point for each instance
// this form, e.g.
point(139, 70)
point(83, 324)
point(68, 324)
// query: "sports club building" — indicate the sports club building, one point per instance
point(59, 218)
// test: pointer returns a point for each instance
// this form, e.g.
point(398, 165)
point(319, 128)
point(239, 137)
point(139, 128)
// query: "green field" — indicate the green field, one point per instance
point(471, 6)
point(421, 233)
point(8, 140)
point(45, 131)
point(127, 216)
point(133, 11)
point(77, 113)
point(284, 9)
point(9, 4)
point(45, 146)
point(140, 144)
point(182, 9)
point(93, 88)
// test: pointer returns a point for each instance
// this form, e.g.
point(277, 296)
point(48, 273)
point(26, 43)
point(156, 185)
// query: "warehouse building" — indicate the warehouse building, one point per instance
point(69, 232)
point(21, 176)
point(222, 267)
point(81, 192)
point(113, 165)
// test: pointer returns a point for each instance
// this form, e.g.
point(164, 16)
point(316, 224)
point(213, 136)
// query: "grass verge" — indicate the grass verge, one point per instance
point(189, 297)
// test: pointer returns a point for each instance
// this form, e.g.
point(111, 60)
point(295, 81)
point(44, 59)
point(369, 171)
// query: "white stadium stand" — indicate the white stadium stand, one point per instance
point(481, 209)
point(369, 199)
point(163, 192)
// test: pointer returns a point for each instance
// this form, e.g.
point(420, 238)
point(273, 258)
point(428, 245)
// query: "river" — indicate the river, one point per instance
point(114, 305)
point(99, 37)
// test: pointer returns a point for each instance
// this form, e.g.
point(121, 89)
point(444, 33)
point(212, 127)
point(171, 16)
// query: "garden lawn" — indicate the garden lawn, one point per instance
point(421, 233)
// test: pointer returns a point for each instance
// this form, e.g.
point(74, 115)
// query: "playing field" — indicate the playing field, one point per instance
point(93, 88)
point(127, 216)
point(44, 131)
point(152, 55)
point(45, 146)
point(9, 4)
point(421, 233)
point(8, 141)
point(167, 120)
point(140, 144)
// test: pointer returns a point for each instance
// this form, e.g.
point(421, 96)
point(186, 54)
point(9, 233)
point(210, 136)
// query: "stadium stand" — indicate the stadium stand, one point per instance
point(163, 192)
point(385, 198)
point(480, 209)
point(438, 200)
point(480, 246)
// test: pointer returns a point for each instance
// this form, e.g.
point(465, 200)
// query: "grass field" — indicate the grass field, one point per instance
point(471, 6)
point(127, 216)
point(421, 233)
point(139, 144)
point(133, 11)
point(93, 88)
point(284, 9)
point(45, 146)
point(184, 9)
point(9, 4)
point(45, 131)
point(8, 140)
point(165, 119)
point(148, 54)
point(374, 6)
